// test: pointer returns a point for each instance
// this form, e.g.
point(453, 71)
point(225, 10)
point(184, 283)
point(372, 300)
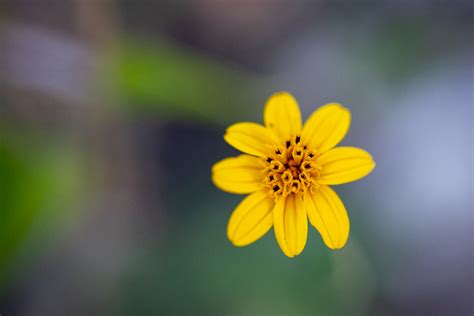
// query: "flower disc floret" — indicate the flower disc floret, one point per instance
point(292, 168)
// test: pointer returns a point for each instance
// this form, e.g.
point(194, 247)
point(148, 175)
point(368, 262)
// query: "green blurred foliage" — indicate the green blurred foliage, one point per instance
point(161, 78)
point(402, 48)
point(196, 271)
point(38, 180)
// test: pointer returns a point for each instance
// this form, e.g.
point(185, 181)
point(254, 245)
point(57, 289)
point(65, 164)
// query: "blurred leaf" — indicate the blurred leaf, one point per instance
point(36, 179)
point(174, 82)
point(401, 49)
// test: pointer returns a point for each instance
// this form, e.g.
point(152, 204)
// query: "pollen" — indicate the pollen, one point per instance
point(291, 169)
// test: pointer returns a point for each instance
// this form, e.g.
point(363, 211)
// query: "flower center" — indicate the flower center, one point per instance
point(292, 168)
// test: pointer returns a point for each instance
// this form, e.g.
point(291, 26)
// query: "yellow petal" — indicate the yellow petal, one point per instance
point(344, 164)
point(327, 126)
point(241, 174)
point(291, 225)
point(282, 114)
point(279, 227)
point(251, 219)
point(328, 215)
point(251, 138)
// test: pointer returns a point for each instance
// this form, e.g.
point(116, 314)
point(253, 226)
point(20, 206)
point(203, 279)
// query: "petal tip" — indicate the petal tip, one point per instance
point(340, 247)
point(281, 93)
point(215, 166)
point(329, 243)
point(236, 243)
point(299, 252)
point(226, 136)
point(340, 107)
point(371, 167)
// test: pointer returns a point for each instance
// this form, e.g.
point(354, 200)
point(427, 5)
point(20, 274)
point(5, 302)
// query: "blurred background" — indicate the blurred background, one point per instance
point(112, 113)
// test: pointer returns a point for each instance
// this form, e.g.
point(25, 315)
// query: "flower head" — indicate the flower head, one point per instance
point(287, 168)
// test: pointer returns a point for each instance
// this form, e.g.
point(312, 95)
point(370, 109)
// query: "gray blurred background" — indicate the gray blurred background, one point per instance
point(112, 113)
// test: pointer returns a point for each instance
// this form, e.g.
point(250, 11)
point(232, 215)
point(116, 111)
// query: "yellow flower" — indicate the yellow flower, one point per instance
point(287, 168)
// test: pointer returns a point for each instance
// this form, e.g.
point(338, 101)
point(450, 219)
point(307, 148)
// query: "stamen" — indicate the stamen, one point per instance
point(271, 179)
point(287, 177)
point(291, 169)
point(295, 186)
point(277, 166)
point(297, 154)
point(303, 177)
point(314, 189)
point(292, 164)
point(306, 165)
